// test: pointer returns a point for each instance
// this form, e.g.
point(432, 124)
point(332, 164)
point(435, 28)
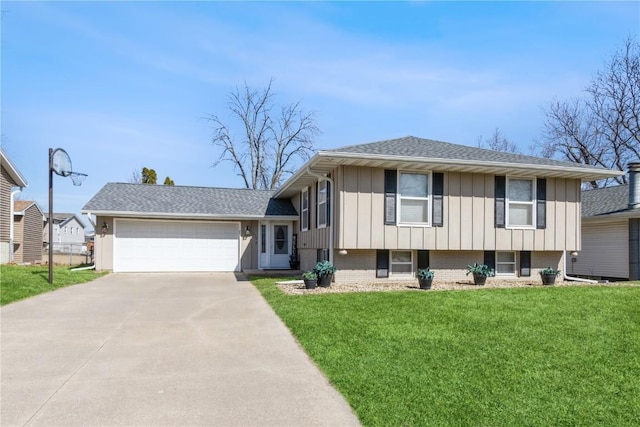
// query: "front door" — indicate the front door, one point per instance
point(274, 242)
point(280, 246)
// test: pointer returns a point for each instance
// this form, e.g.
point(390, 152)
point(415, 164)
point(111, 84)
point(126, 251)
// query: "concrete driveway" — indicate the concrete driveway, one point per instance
point(158, 349)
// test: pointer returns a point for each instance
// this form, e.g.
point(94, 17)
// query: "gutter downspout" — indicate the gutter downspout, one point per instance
point(11, 223)
point(575, 279)
point(331, 208)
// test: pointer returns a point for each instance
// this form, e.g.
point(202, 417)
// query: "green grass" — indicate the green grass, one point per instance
point(536, 357)
point(19, 282)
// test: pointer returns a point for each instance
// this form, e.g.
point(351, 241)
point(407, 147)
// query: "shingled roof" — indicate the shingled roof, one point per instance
point(410, 146)
point(165, 200)
point(603, 201)
point(411, 153)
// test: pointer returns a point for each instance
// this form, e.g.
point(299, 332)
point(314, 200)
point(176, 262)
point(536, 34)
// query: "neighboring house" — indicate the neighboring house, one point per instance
point(611, 231)
point(10, 179)
point(379, 211)
point(68, 233)
point(28, 221)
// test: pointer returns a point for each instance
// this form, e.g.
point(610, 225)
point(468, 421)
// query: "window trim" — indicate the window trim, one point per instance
point(533, 203)
point(304, 213)
point(411, 273)
point(428, 199)
point(514, 263)
point(322, 205)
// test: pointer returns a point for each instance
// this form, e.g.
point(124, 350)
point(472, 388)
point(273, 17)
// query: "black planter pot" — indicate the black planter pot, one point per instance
point(325, 281)
point(425, 283)
point(293, 265)
point(310, 284)
point(548, 279)
point(479, 279)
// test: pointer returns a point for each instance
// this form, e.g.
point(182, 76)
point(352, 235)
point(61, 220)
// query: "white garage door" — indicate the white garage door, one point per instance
point(176, 246)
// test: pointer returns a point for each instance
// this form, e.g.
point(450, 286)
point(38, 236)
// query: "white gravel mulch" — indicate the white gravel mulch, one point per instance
point(296, 287)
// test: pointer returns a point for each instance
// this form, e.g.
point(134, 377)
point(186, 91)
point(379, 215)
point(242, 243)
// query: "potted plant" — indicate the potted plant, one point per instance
point(325, 271)
point(310, 279)
point(549, 275)
point(294, 262)
point(480, 273)
point(425, 278)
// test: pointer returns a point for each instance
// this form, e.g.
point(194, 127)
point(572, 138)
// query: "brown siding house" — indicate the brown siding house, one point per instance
point(10, 178)
point(28, 225)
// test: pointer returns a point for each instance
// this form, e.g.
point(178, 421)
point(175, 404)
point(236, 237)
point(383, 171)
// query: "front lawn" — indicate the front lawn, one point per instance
point(502, 357)
point(19, 282)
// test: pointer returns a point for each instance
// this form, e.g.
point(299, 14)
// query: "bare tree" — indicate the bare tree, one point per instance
point(135, 177)
point(603, 128)
point(273, 140)
point(498, 142)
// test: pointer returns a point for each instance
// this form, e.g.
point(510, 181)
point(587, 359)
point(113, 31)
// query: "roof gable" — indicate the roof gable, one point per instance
point(181, 201)
point(411, 153)
point(12, 170)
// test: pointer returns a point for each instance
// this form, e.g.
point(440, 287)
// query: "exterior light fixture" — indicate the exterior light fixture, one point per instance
point(247, 231)
point(105, 228)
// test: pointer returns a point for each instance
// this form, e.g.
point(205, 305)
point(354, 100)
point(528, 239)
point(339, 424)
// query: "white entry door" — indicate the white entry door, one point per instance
point(275, 244)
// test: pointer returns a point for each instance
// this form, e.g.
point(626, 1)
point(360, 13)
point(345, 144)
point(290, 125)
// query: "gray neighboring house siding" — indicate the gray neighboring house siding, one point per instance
point(610, 232)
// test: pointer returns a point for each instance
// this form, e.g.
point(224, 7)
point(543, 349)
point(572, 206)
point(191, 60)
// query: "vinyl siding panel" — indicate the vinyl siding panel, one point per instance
point(605, 250)
point(28, 235)
point(6, 184)
point(468, 212)
point(315, 238)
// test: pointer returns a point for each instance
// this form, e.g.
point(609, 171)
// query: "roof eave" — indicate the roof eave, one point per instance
point(376, 160)
point(13, 171)
point(165, 215)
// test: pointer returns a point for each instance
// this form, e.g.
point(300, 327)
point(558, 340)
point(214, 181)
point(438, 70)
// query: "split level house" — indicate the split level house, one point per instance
point(378, 211)
point(11, 183)
point(610, 232)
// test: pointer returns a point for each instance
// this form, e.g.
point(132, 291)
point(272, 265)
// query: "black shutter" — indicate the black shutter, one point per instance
point(316, 209)
point(500, 190)
point(308, 208)
point(390, 190)
point(438, 193)
point(525, 263)
point(301, 204)
point(328, 203)
point(382, 263)
point(541, 203)
point(490, 259)
point(423, 259)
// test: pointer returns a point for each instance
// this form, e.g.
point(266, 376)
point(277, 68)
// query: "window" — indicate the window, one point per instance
point(402, 263)
point(322, 203)
point(413, 198)
point(506, 263)
point(520, 202)
point(304, 211)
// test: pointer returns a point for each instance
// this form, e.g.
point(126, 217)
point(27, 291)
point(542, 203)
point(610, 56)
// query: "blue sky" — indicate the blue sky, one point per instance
point(122, 85)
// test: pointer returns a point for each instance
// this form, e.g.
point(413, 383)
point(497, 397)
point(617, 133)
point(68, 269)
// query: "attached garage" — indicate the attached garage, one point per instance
point(166, 228)
point(170, 246)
